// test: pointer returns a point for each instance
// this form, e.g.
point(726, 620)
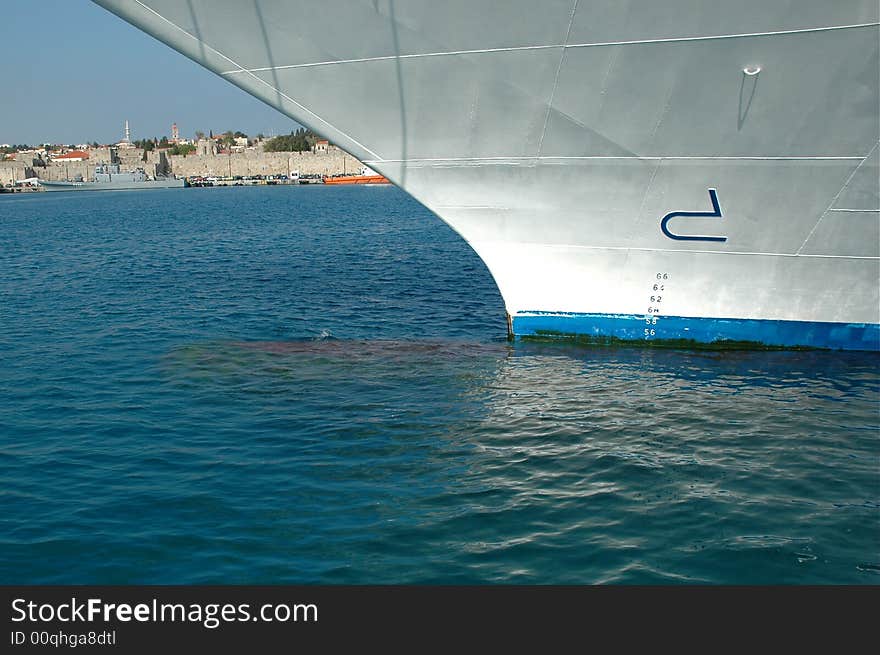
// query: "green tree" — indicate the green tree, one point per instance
point(297, 141)
point(182, 149)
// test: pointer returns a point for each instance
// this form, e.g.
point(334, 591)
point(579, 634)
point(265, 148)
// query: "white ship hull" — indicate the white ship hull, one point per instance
point(674, 171)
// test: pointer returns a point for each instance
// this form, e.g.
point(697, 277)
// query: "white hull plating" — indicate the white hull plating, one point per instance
point(726, 153)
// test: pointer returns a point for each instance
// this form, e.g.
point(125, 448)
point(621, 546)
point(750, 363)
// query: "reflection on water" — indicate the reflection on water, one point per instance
point(534, 462)
point(163, 419)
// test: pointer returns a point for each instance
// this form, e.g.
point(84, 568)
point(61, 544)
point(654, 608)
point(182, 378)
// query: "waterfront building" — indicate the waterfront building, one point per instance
point(72, 156)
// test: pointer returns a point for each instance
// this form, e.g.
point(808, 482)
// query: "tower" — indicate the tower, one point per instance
point(127, 138)
point(175, 133)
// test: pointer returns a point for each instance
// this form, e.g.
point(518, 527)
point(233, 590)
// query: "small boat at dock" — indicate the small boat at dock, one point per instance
point(367, 176)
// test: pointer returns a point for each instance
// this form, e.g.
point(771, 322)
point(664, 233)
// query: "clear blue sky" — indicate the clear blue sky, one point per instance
point(72, 72)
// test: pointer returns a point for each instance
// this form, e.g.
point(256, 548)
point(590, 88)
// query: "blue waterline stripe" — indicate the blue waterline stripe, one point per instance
point(631, 327)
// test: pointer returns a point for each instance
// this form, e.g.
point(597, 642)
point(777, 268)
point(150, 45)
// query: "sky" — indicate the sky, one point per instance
point(72, 72)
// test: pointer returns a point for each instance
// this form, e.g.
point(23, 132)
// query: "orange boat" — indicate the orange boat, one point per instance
point(367, 176)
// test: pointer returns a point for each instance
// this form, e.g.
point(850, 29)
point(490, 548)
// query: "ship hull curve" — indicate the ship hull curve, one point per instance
point(585, 148)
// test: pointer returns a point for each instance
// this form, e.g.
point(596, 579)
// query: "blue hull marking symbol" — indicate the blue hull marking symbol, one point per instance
point(716, 213)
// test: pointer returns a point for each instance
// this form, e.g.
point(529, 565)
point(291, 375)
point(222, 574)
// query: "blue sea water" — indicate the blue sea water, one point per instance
point(313, 385)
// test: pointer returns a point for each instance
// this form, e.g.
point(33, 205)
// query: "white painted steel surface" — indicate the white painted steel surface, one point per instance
point(554, 136)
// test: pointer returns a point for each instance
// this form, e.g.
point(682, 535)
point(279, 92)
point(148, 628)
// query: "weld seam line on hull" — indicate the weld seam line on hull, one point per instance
point(836, 196)
point(556, 78)
point(564, 246)
point(648, 188)
point(498, 208)
point(255, 77)
point(452, 53)
point(516, 158)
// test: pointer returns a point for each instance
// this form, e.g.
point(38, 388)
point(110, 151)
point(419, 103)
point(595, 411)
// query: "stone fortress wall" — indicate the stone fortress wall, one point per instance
point(204, 162)
point(253, 162)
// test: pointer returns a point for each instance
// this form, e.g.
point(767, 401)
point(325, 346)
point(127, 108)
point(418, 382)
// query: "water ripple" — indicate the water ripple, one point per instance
point(313, 385)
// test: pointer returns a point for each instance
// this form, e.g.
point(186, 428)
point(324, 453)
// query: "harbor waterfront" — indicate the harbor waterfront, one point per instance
point(296, 384)
point(207, 161)
point(200, 181)
point(131, 167)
